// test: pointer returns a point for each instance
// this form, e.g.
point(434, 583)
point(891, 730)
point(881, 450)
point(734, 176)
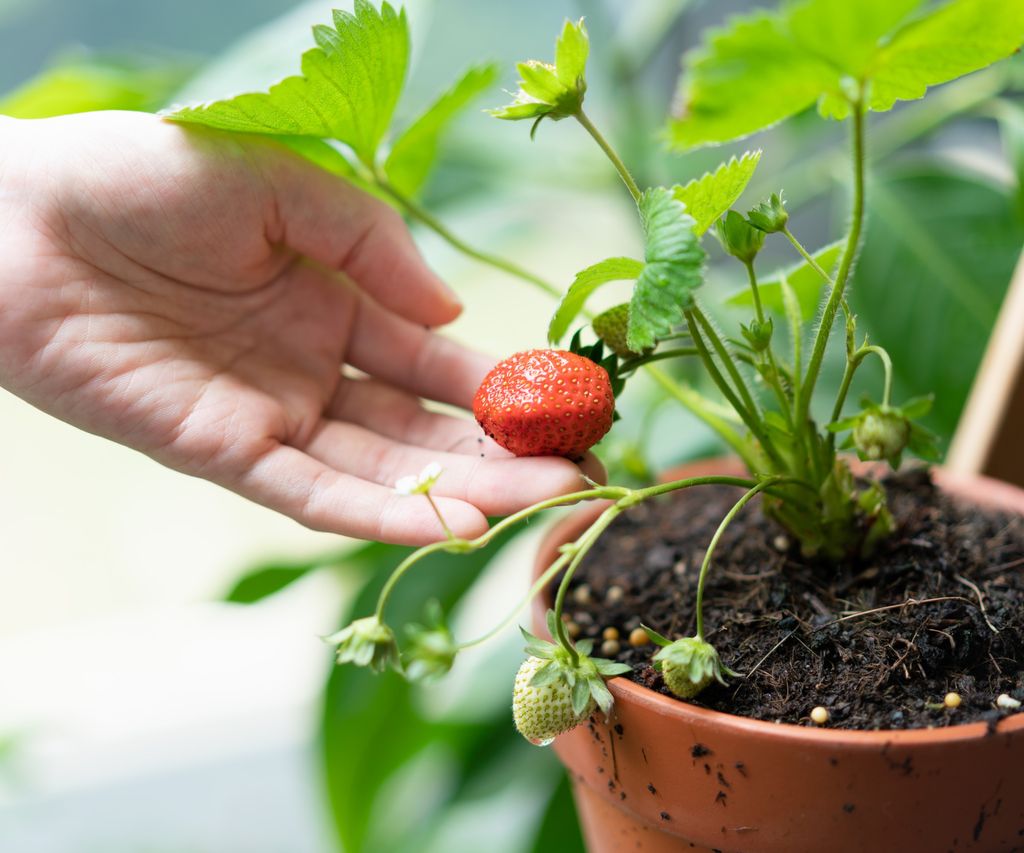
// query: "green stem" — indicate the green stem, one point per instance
point(807, 256)
point(620, 167)
point(852, 363)
point(444, 525)
point(769, 352)
point(730, 364)
point(714, 372)
point(549, 574)
point(887, 367)
point(559, 564)
point(750, 416)
point(632, 364)
point(835, 298)
point(695, 402)
point(579, 550)
point(706, 564)
point(435, 225)
point(462, 546)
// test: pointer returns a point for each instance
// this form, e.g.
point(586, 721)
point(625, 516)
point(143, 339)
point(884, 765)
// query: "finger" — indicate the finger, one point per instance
point(415, 359)
point(402, 417)
point(290, 481)
point(494, 486)
point(339, 225)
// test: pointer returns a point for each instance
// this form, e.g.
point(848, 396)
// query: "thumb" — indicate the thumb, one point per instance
point(337, 224)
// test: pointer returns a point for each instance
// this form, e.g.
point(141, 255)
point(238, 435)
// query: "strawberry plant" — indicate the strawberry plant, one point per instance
point(848, 60)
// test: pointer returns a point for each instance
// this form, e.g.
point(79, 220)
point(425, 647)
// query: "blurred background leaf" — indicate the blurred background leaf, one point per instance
point(79, 83)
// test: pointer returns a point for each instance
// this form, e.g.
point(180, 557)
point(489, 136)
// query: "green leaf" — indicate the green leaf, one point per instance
point(794, 319)
point(960, 37)
point(674, 268)
point(585, 283)
point(708, 197)
point(571, 52)
point(85, 84)
point(415, 150)
point(747, 77)
point(804, 280)
point(766, 67)
point(846, 34)
point(955, 242)
point(264, 580)
point(347, 91)
point(559, 828)
point(373, 726)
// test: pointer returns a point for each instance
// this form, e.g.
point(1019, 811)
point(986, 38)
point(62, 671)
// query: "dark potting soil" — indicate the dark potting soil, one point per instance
point(938, 608)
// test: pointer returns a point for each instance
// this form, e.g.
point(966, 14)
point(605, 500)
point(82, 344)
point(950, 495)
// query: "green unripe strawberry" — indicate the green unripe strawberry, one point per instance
point(881, 434)
point(543, 712)
point(677, 679)
point(687, 665)
point(611, 326)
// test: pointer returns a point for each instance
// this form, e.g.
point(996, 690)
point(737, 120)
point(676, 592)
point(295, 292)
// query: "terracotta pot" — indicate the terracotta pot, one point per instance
point(664, 776)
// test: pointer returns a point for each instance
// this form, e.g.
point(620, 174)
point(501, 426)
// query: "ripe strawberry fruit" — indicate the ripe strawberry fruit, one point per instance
point(543, 712)
point(546, 403)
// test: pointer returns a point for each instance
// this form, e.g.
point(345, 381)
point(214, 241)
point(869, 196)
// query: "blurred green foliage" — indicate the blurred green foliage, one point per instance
point(943, 235)
point(83, 83)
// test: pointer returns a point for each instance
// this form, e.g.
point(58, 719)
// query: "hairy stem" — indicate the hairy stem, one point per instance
point(835, 298)
point(435, 225)
point(620, 167)
point(769, 352)
point(852, 363)
point(807, 256)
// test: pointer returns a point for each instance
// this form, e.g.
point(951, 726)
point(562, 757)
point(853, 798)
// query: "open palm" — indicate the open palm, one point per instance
point(195, 296)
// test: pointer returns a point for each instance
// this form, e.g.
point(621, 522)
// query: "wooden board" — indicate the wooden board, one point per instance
point(990, 436)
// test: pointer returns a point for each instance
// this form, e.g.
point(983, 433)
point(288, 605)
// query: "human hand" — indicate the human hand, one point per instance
point(195, 295)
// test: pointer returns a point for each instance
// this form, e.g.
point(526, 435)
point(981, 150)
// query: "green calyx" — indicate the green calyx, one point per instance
point(738, 237)
point(759, 334)
point(553, 91)
point(583, 675)
point(687, 665)
point(885, 432)
point(770, 216)
point(367, 642)
point(431, 649)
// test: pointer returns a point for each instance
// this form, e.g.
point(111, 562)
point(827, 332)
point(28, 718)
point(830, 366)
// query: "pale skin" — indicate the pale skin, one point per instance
point(198, 296)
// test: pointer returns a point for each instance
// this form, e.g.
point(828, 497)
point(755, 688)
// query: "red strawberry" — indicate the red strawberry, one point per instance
point(546, 403)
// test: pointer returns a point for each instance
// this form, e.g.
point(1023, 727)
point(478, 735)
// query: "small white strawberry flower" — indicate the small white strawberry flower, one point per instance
point(422, 483)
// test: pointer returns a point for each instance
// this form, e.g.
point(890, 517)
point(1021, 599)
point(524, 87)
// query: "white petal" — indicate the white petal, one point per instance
point(407, 485)
point(431, 471)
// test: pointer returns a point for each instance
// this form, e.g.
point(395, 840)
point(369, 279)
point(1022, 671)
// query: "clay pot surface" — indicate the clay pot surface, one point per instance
point(664, 776)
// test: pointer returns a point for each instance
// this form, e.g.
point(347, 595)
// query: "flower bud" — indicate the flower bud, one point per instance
point(738, 238)
point(366, 642)
point(769, 216)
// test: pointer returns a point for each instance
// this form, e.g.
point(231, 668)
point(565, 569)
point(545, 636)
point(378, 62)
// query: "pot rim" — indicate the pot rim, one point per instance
point(986, 492)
